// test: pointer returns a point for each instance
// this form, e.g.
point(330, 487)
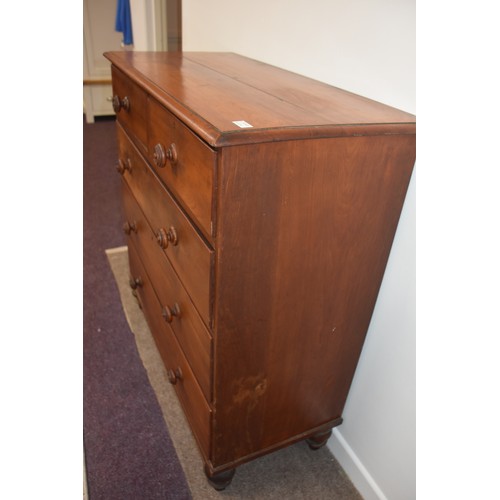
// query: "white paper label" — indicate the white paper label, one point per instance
point(242, 124)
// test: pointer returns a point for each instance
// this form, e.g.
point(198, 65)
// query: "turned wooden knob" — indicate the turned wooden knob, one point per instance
point(135, 282)
point(168, 313)
point(119, 104)
point(174, 375)
point(128, 227)
point(160, 156)
point(164, 237)
point(121, 166)
point(172, 154)
point(172, 236)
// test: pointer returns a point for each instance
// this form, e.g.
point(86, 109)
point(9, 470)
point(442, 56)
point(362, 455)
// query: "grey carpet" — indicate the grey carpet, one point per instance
point(128, 452)
point(295, 472)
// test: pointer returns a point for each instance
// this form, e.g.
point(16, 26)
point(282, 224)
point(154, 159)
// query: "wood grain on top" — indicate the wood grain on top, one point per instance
point(278, 104)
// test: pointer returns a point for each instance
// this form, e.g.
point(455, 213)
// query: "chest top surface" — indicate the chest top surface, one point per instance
point(230, 99)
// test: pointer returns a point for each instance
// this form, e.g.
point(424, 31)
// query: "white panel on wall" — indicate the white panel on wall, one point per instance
point(99, 36)
point(367, 47)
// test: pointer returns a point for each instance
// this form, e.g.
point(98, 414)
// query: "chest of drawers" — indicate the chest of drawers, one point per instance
point(260, 211)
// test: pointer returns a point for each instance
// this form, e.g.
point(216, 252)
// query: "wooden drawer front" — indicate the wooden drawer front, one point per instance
point(190, 395)
point(180, 312)
point(190, 256)
point(132, 117)
point(190, 171)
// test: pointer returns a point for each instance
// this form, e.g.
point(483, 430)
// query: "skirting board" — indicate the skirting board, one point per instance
point(354, 468)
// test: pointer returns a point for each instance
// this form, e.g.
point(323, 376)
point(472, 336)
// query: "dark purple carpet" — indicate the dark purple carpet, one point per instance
point(129, 454)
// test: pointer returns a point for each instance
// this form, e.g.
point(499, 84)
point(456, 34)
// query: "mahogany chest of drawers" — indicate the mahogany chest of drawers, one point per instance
point(261, 207)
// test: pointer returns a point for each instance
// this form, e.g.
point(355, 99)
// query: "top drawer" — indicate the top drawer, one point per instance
point(130, 105)
point(184, 163)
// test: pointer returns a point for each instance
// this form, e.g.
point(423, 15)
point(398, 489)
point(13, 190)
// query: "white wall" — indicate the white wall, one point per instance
point(367, 47)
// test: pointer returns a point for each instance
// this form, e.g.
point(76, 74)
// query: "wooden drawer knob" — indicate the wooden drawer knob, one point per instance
point(172, 154)
point(169, 313)
point(121, 166)
point(174, 375)
point(135, 282)
point(164, 237)
point(160, 156)
point(119, 104)
point(128, 227)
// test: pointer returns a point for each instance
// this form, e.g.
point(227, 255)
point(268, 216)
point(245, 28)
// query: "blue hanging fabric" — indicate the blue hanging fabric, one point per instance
point(123, 22)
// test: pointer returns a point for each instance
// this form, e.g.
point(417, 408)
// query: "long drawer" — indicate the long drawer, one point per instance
point(177, 307)
point(191, 258)
point(179, 373)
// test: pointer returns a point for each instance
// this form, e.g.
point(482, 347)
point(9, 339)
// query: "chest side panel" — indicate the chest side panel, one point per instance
point(304, 233)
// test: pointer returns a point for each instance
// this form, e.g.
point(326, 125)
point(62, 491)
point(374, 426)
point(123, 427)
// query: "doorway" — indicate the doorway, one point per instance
point(168, 21)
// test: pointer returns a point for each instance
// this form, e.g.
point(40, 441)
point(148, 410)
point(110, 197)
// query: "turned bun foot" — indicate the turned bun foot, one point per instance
point(318, 440)
point(221, 480)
